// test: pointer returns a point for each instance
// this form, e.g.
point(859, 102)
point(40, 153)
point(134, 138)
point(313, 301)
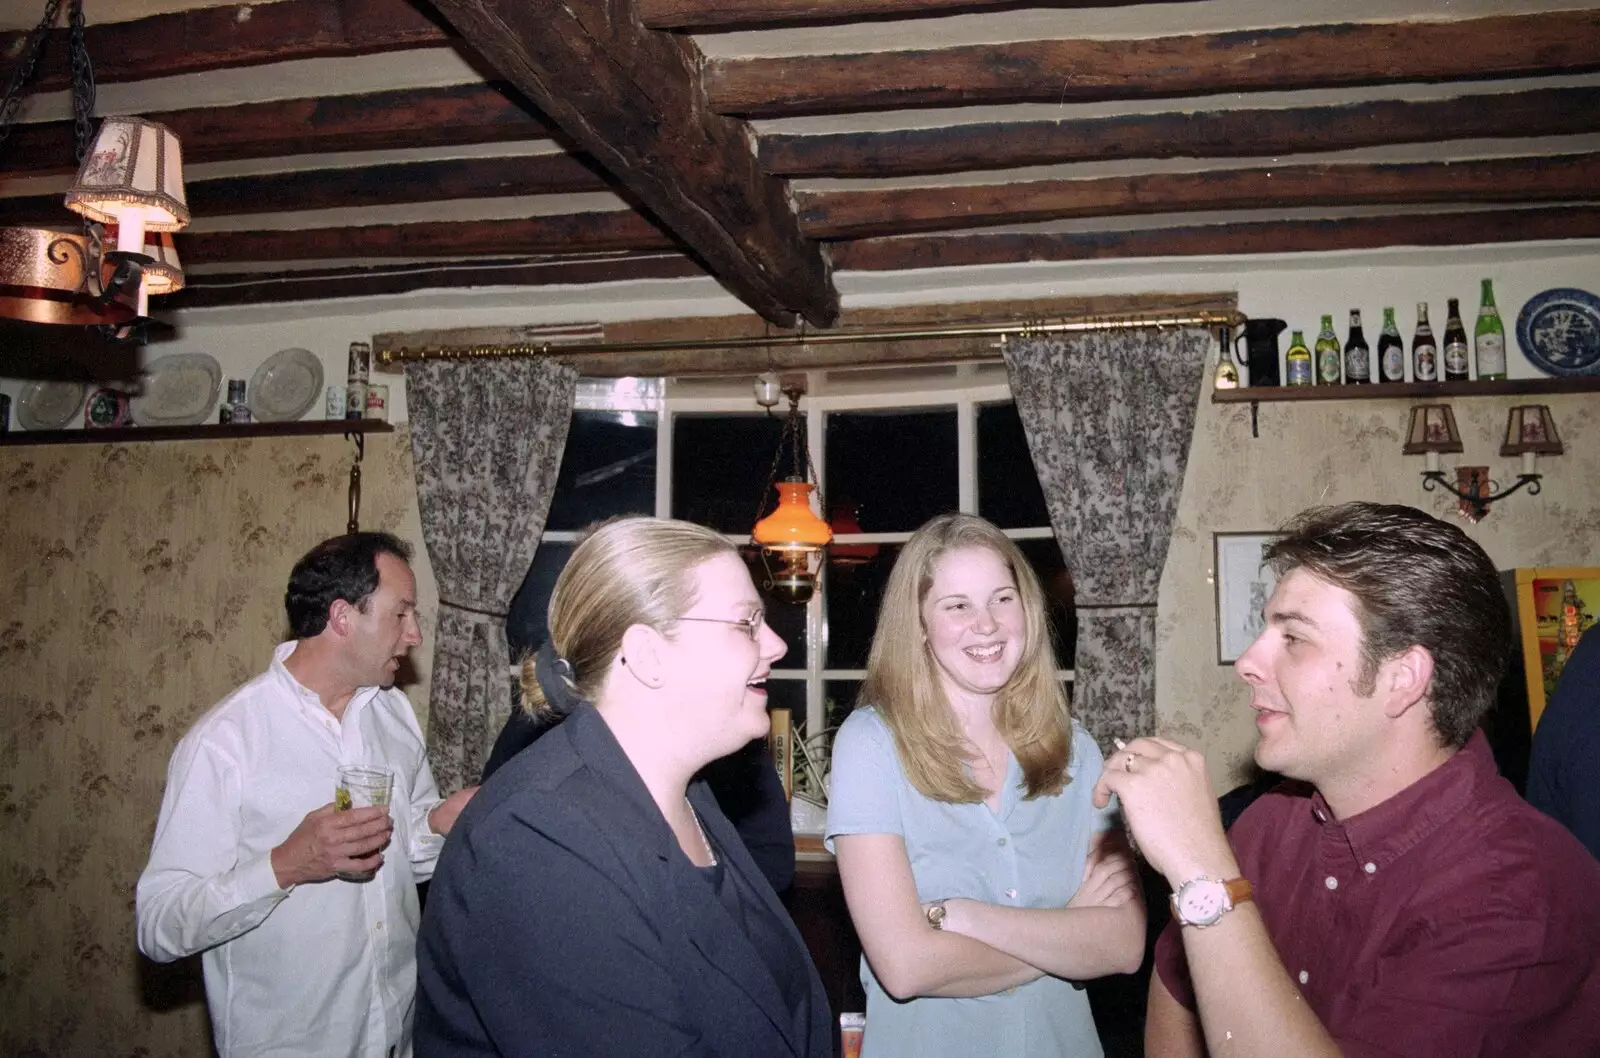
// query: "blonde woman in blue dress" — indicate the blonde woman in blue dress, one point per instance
point(980, 877)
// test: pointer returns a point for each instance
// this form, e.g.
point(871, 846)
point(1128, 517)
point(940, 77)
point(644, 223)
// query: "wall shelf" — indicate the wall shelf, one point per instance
point(1516, 387)
point(206, 432)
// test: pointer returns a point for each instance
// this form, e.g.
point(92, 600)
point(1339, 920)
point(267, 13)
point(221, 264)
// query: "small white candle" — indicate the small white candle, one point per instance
point(1528, 461)
point(1433, 462)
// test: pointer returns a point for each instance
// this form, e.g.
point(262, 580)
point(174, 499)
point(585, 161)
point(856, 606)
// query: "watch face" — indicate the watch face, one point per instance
point(1202, 901)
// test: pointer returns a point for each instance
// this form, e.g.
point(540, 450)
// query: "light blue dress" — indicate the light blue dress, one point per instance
point(1030, 854)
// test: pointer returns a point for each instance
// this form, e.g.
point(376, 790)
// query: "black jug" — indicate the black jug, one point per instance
point(1261, 346)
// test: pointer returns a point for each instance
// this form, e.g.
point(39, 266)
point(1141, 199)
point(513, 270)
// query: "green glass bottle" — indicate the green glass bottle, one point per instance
point(1329, 355)
point(1489, 337)
point(1391, 349)
point(1297, 362)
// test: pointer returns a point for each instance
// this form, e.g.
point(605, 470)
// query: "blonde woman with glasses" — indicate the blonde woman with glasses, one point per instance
point(980, 877)
point(597, 902)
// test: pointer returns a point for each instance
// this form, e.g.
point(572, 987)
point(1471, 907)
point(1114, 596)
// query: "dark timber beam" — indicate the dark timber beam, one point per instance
point(218, 290)
point(236, 35)
point(1063, 71)
point(631, 97)
point(374, 121)
point(568, 233)
point(1265, 237)
point(346, 188)
point(1174, 134)
point(898, 211)
point(721, 14)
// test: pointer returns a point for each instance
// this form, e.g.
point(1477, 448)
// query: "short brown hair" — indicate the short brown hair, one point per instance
point(1417, 581)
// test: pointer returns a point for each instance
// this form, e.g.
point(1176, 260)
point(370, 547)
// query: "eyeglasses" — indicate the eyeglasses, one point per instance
point(751, 625)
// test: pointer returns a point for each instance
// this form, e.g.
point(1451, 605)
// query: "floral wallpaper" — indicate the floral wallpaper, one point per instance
point(1320, 452)
point(142, 582)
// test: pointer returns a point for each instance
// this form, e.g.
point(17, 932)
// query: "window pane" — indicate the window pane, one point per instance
point(839, 700)
point(526, 624)
point(608, 468)
point(720, 465)
point(854, 590)
point(896, 468)
point(1008, 489)
point(785, 618)
point(1045, 558)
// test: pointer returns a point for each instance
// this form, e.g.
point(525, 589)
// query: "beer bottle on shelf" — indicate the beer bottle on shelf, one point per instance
point(1455, 345)
point(1391, 349)
point(1489, 337)
point(1328, 355)
point(1297, 362)
point(1227, 374)
point(1357, 354)
point(1424, 350)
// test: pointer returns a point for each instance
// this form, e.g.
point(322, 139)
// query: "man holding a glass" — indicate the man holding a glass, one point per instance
point(299, 816)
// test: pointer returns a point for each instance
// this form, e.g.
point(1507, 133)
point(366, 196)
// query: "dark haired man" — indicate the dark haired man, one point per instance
point(1405, 900)
point(250, 848)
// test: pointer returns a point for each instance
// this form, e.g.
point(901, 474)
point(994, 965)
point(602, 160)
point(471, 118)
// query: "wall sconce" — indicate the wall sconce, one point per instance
point(1530, 432)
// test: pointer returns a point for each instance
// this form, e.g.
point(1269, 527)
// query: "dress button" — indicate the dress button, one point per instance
point(1371, 868)
point(1331, 882)
point(1304, 977)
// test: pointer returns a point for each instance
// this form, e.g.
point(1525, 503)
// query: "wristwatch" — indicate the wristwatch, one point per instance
point(935, 913)
point(1203, 901)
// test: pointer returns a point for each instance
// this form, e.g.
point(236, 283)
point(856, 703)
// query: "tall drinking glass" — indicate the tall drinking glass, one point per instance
point(361, 787)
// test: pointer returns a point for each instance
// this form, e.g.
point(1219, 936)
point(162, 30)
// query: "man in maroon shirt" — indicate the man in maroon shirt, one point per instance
point(1405, 901)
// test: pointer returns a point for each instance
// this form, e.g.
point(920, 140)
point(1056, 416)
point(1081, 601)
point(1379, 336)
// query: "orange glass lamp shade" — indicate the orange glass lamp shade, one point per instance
point(793, 526)
point(845, 522)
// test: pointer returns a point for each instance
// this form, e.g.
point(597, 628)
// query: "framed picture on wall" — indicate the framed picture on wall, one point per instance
point(1244, 584)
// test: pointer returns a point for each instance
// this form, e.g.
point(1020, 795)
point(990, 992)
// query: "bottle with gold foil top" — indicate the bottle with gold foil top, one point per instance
point(1328, 355)
point(1227, 373)
point(1489, 337)
point(1297, 362)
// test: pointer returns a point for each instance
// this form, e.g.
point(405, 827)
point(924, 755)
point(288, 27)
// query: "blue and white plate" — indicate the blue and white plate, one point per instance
point(1559, 331)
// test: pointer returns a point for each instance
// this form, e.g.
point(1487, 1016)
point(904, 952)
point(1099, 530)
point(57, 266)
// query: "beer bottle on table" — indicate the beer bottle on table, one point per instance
point(1328, 355)
point(1489, 337)
point(1297, 362)
point(1455, 345)
point(1424, 350)
point(1391, 349)
point(1357, 354)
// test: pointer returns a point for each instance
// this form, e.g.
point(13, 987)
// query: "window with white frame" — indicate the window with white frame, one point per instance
point(891, 450)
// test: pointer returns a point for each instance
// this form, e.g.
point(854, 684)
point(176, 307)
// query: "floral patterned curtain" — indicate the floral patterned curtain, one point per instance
point(1109, 416)
point(486, 438)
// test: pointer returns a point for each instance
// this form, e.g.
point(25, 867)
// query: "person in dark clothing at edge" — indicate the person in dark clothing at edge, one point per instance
point(1564, 772)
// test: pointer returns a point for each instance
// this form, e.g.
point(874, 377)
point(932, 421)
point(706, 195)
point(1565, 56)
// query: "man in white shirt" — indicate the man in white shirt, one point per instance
point(299, 962)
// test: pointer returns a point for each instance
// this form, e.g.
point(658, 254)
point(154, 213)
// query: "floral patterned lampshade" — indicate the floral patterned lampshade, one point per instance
point(165, 275)
point(1433, 430)
point(132, 177)
point(1530, 429)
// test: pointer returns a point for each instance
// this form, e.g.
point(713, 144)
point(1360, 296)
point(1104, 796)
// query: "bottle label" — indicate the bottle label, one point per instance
point(1328, 366)
point(1357, 365)
point(1491, 354)
point(1426, 368)
point(1300, 372)
point(1394, 364)
point(1455, 358)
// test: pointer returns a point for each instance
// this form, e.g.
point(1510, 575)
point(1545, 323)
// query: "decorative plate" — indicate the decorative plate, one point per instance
point(285, 387)
point(179, 390)
point(1559, 331)
point(49, 405)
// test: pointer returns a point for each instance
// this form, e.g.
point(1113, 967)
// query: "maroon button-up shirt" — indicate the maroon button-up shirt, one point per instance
point(1451, 921)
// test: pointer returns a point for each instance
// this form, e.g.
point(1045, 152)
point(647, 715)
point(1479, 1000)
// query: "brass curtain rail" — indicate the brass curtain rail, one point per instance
point(1002, 331)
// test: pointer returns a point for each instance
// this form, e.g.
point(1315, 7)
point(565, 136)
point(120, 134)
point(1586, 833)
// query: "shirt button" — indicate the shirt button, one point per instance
point(1331, 882)
point(1002, 843)
point(1371, 868)
point(1011, 894)
point(1304, 977)
point(378, 925)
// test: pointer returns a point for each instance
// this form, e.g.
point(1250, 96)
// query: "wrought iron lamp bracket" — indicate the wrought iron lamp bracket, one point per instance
point(1479, 504)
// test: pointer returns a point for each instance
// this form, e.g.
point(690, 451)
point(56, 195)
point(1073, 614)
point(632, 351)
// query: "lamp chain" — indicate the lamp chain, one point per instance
point(82, 83)
point(23, 70)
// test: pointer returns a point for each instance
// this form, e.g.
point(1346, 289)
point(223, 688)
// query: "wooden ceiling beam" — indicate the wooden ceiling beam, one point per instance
point(1265, 237)
point(567, 233)
point(348, 188)
point(906, 210)
point(374, 121)
point(1068, 71)
point(1238, 133)
point(631, 97)
point(236, 35)
point(754, 14)
point(219, 290)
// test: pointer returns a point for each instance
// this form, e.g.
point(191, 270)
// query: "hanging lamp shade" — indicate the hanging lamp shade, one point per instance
point(42, 274)
point(793, 526)
point(134, 172)
point(164, 275)
point(844, 523)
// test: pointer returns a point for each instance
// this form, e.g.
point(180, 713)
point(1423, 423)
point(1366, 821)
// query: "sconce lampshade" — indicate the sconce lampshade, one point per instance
point(793, 526)
point(1530, 428)
point(1433, 429)
point(165, 275)
point(133, 173)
